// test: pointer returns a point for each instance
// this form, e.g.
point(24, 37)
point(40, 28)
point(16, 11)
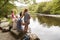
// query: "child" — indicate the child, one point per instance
point(20, 23)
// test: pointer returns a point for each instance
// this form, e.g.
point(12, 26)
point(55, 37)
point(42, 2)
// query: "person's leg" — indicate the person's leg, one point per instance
point(26, 27)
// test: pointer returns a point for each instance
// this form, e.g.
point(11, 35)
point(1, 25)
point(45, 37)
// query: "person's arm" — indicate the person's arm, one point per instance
point(29, 16)
point(22, 23)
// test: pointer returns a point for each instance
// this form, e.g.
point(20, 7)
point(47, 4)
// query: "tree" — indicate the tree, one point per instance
point(51, 7)
point(47, 8)
point(55, 7)
point(40, 7)
point(6, 7)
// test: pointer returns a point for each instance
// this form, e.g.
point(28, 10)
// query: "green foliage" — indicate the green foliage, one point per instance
point(6, 7)
point(40, 7)
point(51, 7)
point(55, 7)
point(33, 8)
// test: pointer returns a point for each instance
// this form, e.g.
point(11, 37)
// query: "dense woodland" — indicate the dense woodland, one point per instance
point(51, 7)
point(6, 7)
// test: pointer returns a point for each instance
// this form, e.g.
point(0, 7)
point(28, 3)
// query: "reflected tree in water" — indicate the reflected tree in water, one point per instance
point(49, 20)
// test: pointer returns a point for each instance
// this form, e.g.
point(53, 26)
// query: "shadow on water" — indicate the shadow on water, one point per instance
point(49, 21)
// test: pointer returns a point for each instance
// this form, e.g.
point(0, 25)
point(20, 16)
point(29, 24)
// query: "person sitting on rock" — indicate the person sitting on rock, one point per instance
point(20, 23)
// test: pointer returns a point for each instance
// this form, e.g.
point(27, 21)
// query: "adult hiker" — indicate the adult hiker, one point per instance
point(26, 19)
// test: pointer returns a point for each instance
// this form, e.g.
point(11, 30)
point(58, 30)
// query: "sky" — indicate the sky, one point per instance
point(20, 4)
point(42, 1)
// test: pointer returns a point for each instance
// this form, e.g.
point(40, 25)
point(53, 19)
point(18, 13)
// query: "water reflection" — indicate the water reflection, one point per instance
point(39, 27)
point(49, 21)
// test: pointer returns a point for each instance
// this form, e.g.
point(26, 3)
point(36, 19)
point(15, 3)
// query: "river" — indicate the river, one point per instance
point(46, 28)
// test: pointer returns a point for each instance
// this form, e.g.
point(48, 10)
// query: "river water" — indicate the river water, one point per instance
point(46, 28)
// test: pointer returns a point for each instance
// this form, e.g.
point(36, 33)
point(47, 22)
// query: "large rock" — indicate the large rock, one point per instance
point(32, 36)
